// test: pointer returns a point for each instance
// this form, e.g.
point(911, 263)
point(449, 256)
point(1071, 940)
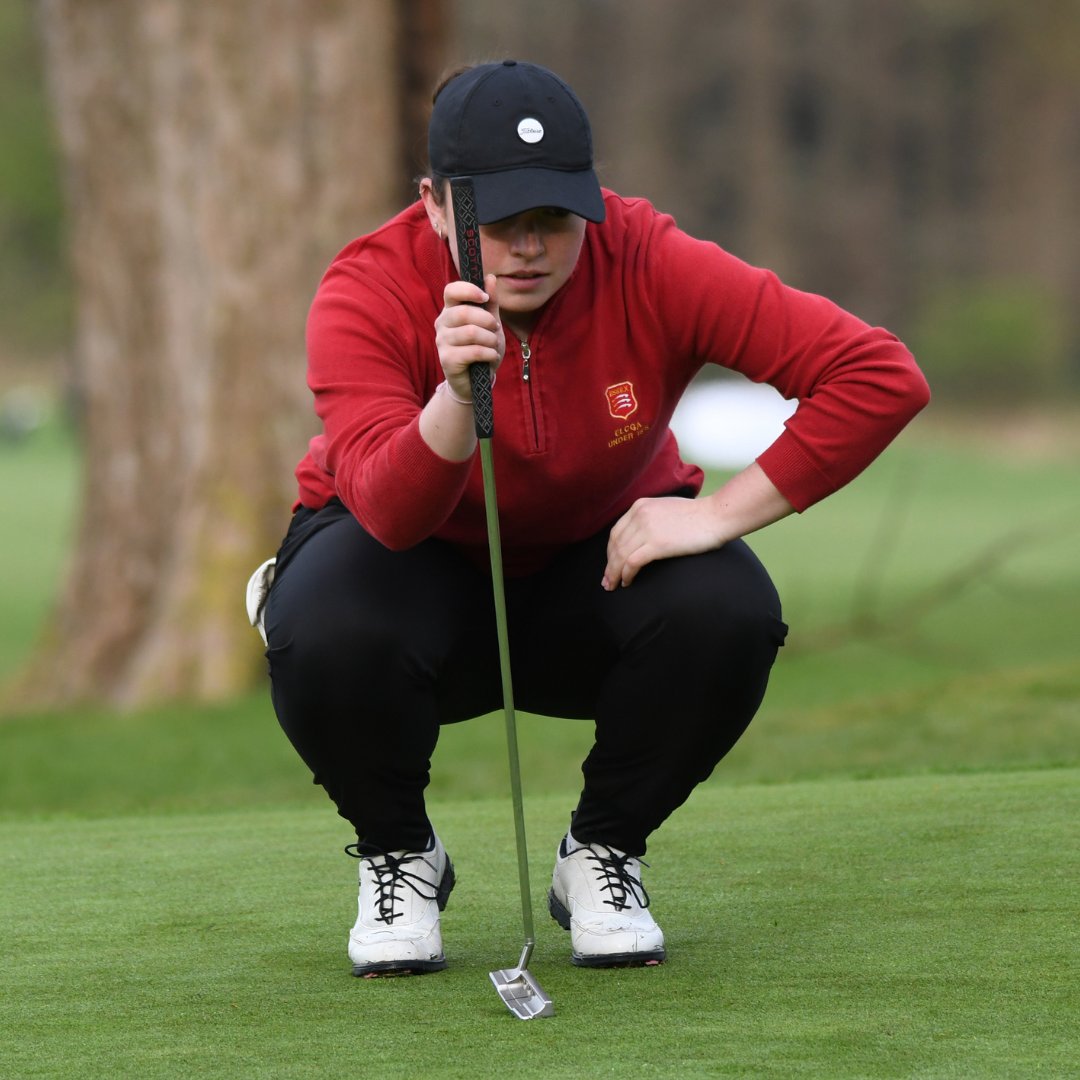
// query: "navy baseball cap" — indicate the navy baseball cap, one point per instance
point(522, 135)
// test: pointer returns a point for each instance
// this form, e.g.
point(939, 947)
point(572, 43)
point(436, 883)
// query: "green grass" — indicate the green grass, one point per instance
point(879, 881)
point(916, 926)
point(39, 478)
point(181, 758)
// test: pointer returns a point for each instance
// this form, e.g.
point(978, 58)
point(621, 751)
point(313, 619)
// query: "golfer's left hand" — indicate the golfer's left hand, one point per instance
point(659, 529)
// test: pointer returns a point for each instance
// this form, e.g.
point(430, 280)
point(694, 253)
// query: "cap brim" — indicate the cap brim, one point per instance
point(504, 194)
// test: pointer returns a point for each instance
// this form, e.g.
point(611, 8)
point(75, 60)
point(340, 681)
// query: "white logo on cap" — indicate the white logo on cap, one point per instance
point(530, 130)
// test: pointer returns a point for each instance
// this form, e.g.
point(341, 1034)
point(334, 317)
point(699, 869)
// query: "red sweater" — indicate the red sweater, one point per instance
point(582, 430)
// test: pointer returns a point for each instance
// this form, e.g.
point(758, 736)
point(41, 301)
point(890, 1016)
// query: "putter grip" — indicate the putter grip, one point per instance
point(483, 413)
point(467, 232)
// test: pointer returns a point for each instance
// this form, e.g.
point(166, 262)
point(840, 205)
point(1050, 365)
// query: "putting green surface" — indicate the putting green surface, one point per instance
point(921, 926)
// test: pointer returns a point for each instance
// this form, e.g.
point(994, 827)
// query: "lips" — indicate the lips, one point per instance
point(523, 281)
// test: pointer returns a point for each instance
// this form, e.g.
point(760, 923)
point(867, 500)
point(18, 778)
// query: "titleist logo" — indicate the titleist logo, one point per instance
point(530, 130)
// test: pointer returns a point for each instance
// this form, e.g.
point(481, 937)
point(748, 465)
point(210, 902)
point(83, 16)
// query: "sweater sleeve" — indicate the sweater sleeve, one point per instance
point(857, 385)
point(366, 366)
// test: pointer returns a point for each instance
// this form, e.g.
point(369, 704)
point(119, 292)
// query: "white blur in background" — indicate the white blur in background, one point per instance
point(726, 424)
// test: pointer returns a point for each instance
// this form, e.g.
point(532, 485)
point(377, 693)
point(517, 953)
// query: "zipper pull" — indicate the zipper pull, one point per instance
point(526, 356)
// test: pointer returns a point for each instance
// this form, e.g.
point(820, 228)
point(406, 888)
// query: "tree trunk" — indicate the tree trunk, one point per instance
point(216, 156)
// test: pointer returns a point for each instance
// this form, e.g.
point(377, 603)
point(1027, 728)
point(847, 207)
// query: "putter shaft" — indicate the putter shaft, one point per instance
point(513, 757)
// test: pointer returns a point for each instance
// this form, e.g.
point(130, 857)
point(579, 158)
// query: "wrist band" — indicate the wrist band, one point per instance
point(445, 388)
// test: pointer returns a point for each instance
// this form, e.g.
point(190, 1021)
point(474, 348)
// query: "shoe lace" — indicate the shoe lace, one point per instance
point(390, 876)
point(623, 887)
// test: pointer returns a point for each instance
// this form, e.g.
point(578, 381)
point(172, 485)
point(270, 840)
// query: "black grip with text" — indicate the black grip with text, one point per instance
point(467, 231)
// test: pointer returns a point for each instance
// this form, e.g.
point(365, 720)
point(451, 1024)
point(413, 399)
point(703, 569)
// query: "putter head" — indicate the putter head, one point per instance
point(521, 993)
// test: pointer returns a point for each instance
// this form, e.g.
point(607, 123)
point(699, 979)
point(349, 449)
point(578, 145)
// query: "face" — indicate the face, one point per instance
point(531, 254)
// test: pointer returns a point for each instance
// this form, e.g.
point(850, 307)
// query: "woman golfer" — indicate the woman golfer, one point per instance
point(631, 602)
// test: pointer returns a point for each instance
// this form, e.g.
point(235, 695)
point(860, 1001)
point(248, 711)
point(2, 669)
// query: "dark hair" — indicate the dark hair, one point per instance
point(450, 75)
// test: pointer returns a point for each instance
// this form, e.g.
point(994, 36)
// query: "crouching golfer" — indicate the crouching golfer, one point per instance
point(630, 601)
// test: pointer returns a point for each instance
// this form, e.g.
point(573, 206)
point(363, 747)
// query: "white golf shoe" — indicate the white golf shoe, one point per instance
point(397, 928)
point(596, 894)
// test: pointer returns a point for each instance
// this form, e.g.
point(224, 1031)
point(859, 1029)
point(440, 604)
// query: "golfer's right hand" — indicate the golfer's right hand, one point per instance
point(468, 331)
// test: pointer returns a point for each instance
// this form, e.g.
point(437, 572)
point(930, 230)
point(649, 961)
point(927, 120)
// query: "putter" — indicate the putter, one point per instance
point(517, 987)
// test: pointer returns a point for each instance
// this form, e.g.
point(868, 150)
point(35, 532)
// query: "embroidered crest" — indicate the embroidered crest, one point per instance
point(621, 401)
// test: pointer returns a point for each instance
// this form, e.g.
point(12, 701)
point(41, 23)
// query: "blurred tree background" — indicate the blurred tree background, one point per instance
point(916, 160)
point(35, 299)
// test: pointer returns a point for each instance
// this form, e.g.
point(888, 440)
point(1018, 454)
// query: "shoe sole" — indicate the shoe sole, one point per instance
point(389, 968)
point(600, 960)
point(383, 969)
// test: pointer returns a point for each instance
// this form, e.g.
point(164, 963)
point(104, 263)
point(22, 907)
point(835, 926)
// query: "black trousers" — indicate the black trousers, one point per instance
point(372, 651)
